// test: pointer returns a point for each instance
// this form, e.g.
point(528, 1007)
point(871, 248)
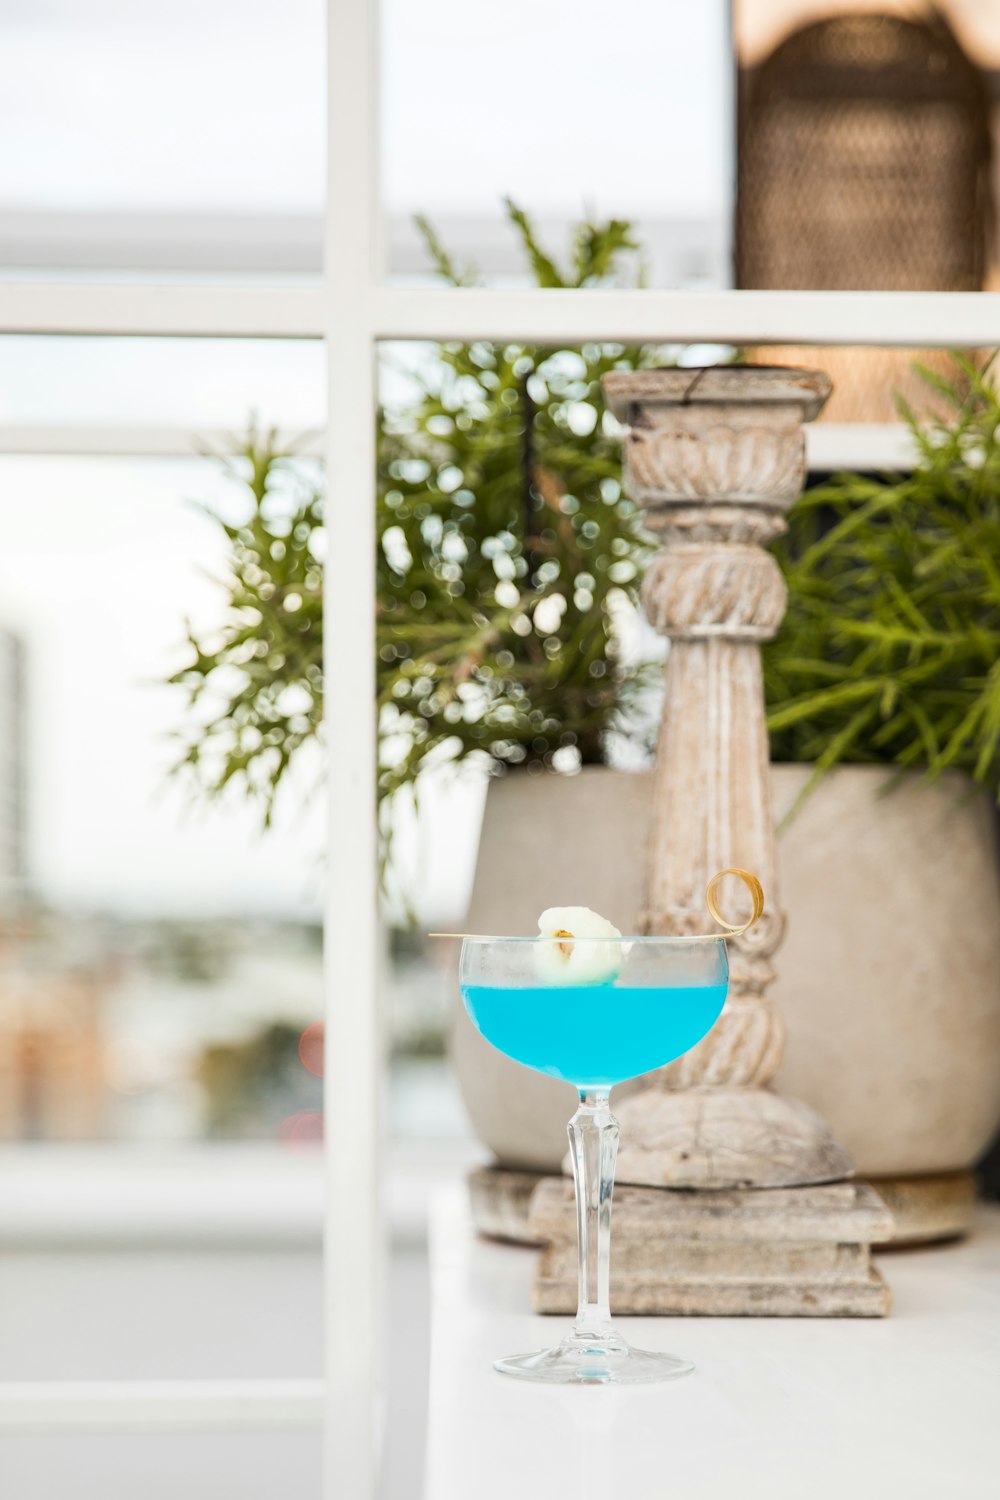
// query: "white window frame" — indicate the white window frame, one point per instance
point(353, 310)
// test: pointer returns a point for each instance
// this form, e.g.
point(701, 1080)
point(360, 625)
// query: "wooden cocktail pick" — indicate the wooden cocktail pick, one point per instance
point(751, 882)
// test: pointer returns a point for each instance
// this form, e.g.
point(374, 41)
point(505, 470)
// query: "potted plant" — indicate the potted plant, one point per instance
point(507, 559)
point(883, 690)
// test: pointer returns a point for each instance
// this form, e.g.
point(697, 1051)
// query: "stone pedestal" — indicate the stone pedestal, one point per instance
point(799, 1252)
point(921, 1210)
point(714, 1137)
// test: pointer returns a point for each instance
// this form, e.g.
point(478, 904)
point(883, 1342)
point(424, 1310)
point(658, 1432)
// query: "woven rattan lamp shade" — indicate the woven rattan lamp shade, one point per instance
point(864, 164)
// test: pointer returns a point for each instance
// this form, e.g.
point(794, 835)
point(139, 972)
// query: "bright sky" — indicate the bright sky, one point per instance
point(559, 102)
point(182, 104)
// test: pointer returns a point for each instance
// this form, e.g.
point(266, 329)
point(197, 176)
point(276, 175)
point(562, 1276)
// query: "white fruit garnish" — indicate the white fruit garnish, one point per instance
point(563, 961)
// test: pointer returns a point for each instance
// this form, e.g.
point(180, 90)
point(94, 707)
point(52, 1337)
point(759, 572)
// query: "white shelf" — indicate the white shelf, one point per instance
point(777, 1408)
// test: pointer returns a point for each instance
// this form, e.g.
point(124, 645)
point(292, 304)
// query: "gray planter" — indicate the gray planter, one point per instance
point(889, 976)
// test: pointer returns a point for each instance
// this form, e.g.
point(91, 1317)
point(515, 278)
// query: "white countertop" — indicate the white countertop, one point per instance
point(809, 1409)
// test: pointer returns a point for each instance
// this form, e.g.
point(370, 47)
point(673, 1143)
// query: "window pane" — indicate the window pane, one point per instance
point(168, 104)
point(168, 955)
point(569, 109)
point(190, 383)
point(165, 953)
point(221, 165)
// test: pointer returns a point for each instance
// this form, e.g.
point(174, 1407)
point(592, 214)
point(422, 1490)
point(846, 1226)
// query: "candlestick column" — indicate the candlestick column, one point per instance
point(715, 457)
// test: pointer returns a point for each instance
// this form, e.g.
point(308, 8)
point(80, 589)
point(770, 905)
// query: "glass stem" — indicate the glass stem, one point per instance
point(593, 1141)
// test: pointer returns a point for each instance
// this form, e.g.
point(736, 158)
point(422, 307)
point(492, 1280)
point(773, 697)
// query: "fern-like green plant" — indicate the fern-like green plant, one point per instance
point(255, 686)
point(890, 649)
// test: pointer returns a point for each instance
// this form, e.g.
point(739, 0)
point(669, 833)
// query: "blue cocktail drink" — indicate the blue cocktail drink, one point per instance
point(594, 1035)
point(584, 1004)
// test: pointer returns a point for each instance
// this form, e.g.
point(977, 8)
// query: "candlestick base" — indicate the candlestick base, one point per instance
point(786, 1252)
point(725, 1138)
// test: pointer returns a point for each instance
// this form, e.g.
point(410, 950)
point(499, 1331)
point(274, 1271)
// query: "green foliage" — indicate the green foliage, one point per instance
point(890, 650)
point(255, 689)
point(505, 551)
point(506, 545)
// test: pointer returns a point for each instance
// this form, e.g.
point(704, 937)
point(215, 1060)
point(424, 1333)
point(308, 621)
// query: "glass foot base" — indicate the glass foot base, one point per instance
point(604, 1361)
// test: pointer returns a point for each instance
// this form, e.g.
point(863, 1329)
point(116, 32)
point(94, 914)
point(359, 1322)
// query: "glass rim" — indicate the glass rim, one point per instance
point(480, 938)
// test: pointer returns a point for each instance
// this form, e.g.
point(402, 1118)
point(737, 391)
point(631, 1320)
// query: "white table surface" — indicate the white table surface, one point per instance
point(815, 1409)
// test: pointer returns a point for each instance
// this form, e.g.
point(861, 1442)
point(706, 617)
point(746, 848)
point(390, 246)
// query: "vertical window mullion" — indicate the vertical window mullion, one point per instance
point(353, 1241)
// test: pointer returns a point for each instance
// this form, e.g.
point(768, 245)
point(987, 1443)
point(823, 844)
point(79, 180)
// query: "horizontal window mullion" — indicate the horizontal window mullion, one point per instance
point(135, 440)
point(884, 319)
point(162, 310)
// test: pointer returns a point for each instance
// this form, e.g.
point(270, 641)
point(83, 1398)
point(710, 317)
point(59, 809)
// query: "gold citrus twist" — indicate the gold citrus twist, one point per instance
point(756, 890)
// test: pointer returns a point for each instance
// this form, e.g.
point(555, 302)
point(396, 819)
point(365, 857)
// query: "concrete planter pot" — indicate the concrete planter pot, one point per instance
point(889, 976)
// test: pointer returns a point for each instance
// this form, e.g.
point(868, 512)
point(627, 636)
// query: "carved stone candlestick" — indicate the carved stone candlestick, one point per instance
point(715, 457)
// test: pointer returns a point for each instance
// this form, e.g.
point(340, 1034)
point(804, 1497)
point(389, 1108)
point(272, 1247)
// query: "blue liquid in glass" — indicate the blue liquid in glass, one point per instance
point(594, 1035)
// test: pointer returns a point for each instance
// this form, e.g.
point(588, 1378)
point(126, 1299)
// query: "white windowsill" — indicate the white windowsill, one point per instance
point(252, 1195)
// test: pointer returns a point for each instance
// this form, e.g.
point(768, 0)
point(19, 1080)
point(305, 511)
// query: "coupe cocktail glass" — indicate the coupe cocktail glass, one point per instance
point(655, 999)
